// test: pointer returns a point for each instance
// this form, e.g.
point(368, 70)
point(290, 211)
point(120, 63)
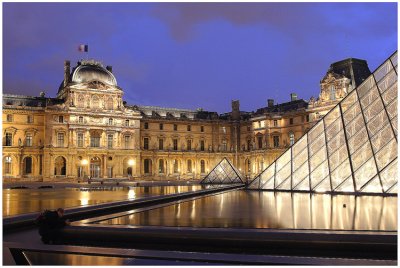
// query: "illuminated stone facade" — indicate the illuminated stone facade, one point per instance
point(88, 130)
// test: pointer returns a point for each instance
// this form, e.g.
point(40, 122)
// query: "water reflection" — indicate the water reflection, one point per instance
point(249, 209)
point(20, 201)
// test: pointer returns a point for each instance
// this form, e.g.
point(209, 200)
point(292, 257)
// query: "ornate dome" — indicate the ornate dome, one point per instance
point(89, 71)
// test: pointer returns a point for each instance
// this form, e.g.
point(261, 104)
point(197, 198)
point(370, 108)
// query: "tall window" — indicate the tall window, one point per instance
point(276, 141)
point(61, 119)
point(202, 166)
point(60, 139)
point(28, 165)
point(110, 138)
point(160, 144)
point(7, 165)
point(28, 140)
point(80, 139)
point(175, 141)
point(201, 128)
point(202, 145)
point(8, 139)
point(291, 138)
point(127, 141)
point(161, 166)
point(147, 166)
point(127, 123)
point(189, 128)
point(80, 120)
point(176, 166)
point(161, 126)
point(95, 140)
point(9, 118)
point(30, 118)
point(260, 145)
point(175, 127)
point(332, 95)
point(189, 145)
point(110, 121)
point(275, 123)
point(145, 143)
point(291, 121)
point(189, 166)
point(146, 125)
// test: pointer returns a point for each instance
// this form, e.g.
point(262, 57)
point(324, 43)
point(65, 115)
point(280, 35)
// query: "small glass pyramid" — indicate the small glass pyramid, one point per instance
point(223, 173)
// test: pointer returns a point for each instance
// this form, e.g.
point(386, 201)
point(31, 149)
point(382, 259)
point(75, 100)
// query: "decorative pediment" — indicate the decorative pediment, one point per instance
point(12, 130)
point(31, 130)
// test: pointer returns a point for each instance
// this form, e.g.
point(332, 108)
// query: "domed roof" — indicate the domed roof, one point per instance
point(89, 71)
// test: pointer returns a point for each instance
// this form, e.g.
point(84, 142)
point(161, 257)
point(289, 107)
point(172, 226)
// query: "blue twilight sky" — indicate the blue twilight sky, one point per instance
point(191, 55)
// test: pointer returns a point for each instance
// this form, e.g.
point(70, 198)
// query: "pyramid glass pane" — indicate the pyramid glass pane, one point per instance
point(352, 149)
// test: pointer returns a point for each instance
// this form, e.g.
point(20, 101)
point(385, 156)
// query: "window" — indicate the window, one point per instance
point(28, 141)
point(8, 139)
point(175, 141)
point(201, 128)
point(146, 143)
point(175, 127)
point(259, 124)
point(202, 166)
point(161, 166)
point(224, 145)
point(28, 165)
point(7, 167)
point(291, 138)
point(189, 128)
point(110, 121)
point(189, 145)
point(176, 166)
point(189, 166)
point(61, 119)
point(276, 141)
point(161, 126)
point(160, 144)
point(95, 140)
point(291, 121)
point(260, 145)
point(110, 138)
point(147, 165)
point(146, 125)
point(80, 120)
point(60, 139)
point(9, 118)
point(202, 145)
point(127, 123)
point(30, 118)
point(275, 123)
point(332, 95)
point(80, 139)
point(127, 141)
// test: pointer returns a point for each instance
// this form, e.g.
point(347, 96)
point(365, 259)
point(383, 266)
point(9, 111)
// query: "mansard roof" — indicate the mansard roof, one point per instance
point(283, 107)
point(28, 101)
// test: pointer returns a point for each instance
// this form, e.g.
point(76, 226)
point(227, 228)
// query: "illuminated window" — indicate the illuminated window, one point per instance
point(176, 166)
point(28, 141)
point(189, 166)
point(80, 139)
point(95, 140)
point(110, 138)
point(127, 141)
point(161, 166)
point(7, 165)
point(60, 139)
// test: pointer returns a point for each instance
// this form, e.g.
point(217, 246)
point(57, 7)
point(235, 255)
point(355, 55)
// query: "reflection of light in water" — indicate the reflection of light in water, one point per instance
point(84, 197)
point(131, 194)
point(178, 213)
point(193, 211)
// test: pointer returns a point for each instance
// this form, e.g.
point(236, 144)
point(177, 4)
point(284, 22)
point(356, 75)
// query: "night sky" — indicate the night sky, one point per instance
point(192, 55)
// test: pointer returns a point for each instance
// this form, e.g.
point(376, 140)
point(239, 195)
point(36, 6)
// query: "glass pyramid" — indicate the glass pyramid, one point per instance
point(223, 173)
point(351, 149)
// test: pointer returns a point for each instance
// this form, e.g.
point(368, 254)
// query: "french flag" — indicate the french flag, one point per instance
point(83, 48)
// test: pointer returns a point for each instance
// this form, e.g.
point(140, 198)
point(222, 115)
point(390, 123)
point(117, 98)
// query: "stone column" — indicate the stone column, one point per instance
point(105, 175)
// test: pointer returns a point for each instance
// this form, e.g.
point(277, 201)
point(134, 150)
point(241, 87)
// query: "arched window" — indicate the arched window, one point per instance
point(189, 166)
point(110, 104)
point(161, 166)
point(28, 165)
point(7, 165)
point(291, 138)
point(202, 166)
point(60, 166)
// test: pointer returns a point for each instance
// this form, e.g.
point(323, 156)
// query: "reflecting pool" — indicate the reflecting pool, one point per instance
point(20, 201)
point(250, 209)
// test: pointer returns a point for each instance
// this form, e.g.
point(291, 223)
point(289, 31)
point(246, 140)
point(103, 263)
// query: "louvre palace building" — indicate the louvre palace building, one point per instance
point(89, 130)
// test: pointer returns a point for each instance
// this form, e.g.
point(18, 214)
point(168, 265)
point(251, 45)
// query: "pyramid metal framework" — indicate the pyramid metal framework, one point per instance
point(223, 173)
point(352, 149)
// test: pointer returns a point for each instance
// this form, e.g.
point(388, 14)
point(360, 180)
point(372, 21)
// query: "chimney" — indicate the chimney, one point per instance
point(67, 70)
point(109, 68)
point(235, 110)
point(270, 102)
point(293, 96)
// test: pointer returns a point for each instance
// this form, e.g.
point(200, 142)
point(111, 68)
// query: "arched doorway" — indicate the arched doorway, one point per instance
point(28, 165)
point(60, 166)
point(95, 164)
